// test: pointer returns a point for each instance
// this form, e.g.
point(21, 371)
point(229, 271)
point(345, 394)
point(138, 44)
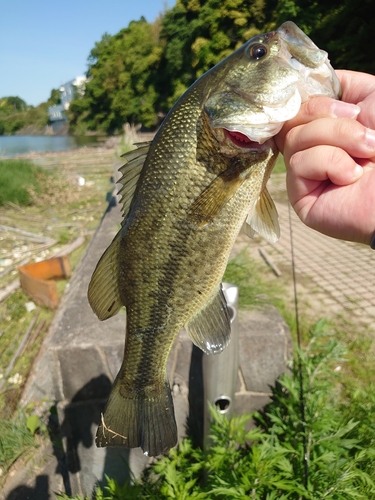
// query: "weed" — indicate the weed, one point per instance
point(15, 440)
point(64, 237)
point(328, 454)
point(258, 288)
point(17, 177)
point(249, 276)
point(55, 190)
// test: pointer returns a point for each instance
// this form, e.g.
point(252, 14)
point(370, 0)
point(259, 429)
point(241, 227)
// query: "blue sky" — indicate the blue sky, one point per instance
point(45, 43)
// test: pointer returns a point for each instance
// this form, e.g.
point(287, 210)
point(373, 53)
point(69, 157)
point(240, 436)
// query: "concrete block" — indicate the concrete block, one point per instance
point(81, 369)
point(114, 353)
point(246, 403)
point(87, 464)
point(264, 346)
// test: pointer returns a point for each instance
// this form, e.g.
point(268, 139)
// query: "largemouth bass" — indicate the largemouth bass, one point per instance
point(185, 197)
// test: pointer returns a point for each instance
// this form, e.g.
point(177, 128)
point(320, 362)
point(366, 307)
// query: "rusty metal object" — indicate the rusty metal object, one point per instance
point(38, 279)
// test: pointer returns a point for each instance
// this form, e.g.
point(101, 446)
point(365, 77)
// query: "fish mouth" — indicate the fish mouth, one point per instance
point(241, 140)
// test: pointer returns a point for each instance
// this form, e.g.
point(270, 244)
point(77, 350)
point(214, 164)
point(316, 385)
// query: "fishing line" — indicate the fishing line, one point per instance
point(300, 371)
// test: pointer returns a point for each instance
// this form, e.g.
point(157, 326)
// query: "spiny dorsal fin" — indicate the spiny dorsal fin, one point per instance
point(103, 292)
point(131, 171)
point(210, 328)
point(263, 218)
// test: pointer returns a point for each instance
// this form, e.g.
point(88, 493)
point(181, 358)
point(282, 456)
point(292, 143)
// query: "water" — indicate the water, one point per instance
point(13, 145)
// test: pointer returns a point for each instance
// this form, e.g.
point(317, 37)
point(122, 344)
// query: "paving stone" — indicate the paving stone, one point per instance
point(343, 263)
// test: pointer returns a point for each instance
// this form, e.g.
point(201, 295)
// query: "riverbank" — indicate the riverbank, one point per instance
point(71, 207)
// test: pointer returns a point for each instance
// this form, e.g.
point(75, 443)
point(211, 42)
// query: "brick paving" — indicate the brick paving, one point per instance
point(340, 274)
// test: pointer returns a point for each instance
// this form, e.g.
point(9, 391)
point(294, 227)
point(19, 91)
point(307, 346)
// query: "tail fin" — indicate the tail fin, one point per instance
point(148, 423)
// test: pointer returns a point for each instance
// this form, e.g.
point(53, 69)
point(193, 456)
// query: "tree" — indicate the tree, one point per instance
point(197, 34)
point(120, 88)
point(348, 36)
point(12, 104)
point(54, 98)
point(137, 75)
point(342, 28)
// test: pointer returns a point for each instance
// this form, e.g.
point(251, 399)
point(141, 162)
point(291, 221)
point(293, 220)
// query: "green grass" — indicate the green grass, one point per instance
point(16, 178)
point(14, 321)
point(280, 165)
point(15, 440)
point(258, 287)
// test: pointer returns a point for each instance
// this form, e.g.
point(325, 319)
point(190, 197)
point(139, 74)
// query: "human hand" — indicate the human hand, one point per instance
point(329, 151)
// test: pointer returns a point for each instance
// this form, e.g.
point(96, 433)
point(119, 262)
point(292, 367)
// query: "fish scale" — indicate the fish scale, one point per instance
point(185, 197)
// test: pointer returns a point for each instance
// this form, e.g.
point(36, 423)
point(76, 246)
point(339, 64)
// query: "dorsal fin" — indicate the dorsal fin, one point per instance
point(131, 171)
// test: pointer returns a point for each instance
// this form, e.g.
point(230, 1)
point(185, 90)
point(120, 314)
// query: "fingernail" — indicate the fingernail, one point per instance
point(370, 138)
point(343, 109)
point(357, 172)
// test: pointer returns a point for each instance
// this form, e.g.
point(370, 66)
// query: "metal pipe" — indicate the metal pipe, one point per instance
point(220, 371)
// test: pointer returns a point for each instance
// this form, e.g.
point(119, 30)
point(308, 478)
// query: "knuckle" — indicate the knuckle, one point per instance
point(318, 106)
point(350, 131)
point(335, 156)
point(291, 138)
point(296, 160)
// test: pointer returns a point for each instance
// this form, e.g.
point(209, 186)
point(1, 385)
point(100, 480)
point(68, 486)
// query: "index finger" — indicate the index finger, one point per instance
point(317, 107)
point(356, 86)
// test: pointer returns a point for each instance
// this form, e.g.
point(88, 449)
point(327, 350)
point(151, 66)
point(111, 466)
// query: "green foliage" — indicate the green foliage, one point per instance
point(138, 74)
point(54, 98)
point(248, 275)
point(15, 440)
point(120, 89)
point(10, 105)
point(17, 177)
point(330, 453)
point(33, 423)
point(15, 114)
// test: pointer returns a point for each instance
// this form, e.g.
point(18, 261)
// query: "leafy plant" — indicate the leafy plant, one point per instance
point(33, 423)
point(320, 451)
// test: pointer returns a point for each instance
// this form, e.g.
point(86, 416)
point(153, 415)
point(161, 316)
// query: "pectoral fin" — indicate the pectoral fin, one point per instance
point(210, 328)
point(263, 218)
point(212, 200)
point(103, 292)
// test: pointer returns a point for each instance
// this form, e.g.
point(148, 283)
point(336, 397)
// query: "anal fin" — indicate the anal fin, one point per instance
point(210, 328)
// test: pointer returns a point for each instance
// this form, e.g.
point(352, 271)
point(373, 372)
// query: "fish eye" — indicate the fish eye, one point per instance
point(258, 51)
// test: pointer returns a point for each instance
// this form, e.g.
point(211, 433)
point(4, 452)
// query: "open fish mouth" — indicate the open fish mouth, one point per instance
point(241, 140)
